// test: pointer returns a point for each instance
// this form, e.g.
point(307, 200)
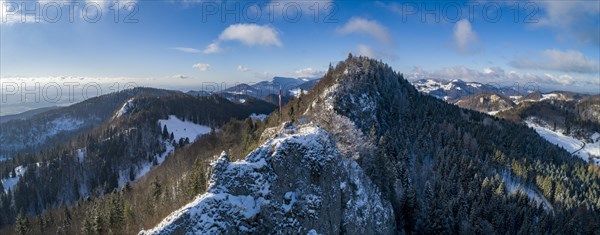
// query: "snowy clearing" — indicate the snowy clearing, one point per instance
point(184, 129)
point(589, 152)
point(181, 130)
point(10, 183)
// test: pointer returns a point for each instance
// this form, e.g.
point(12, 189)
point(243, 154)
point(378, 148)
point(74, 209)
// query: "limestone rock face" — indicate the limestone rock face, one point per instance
point(297, 182)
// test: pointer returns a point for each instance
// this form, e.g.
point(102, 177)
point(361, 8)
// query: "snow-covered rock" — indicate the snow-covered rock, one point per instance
point(297, 182)
point(258, 117)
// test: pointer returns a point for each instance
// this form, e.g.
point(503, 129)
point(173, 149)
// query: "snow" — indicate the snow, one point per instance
point(291, 197)
point(81, 154)
point(551, 96)
point(596, 137)
point(473, 84)
point(297, 92)
point(258, 117)
point(125, 108)
point(515, 97)
point(184, 129)
point(312, 232)
point(227, 175)
point(10, 183)
point(63, 124)
point(589, 153)
point(242, 194)
point(242, 101)
point(515, 187)
point(180, 129)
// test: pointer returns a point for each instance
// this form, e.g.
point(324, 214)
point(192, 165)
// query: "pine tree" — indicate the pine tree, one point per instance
point(165, 133)
point(156, 189)
point(22, 224)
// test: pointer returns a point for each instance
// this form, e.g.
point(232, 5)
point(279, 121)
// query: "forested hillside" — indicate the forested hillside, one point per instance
point(107, 159)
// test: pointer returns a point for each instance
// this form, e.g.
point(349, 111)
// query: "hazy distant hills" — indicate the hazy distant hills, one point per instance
point(26, 114)
point(40, 129)
point(455, 89)
point(265, 90)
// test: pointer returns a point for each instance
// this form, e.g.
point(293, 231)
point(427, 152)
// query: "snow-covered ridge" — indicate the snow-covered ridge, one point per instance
point(125, 108)
point(296, 182)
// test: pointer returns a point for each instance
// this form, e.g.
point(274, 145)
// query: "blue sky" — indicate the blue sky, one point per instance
point(180, 44)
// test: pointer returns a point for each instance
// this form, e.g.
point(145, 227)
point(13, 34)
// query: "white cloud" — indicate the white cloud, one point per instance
point(180, 76)
point(557, 60)
point(186, 49)
point(201, 67)
point(366, 27)
point(247, 34)
point(308, 73)
point(497, 75)
point(212, 48)
point(577, 19)
point(464, 36)
point(264, 75)
point(251, 35)
point(365, 50)
point(242, 68)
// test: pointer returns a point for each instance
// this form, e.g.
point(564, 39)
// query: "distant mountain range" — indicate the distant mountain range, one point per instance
point(265, 90)
point(453, 90)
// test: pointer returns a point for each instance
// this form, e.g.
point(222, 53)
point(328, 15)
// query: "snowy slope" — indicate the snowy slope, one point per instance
point(588, 151)
point(296, 182)
point(10, 183)
point(184, 129)
point(181, 130)
point(125, 108)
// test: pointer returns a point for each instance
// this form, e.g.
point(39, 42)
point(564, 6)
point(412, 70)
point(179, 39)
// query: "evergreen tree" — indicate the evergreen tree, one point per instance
point(22, 224)
point(165, 132)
